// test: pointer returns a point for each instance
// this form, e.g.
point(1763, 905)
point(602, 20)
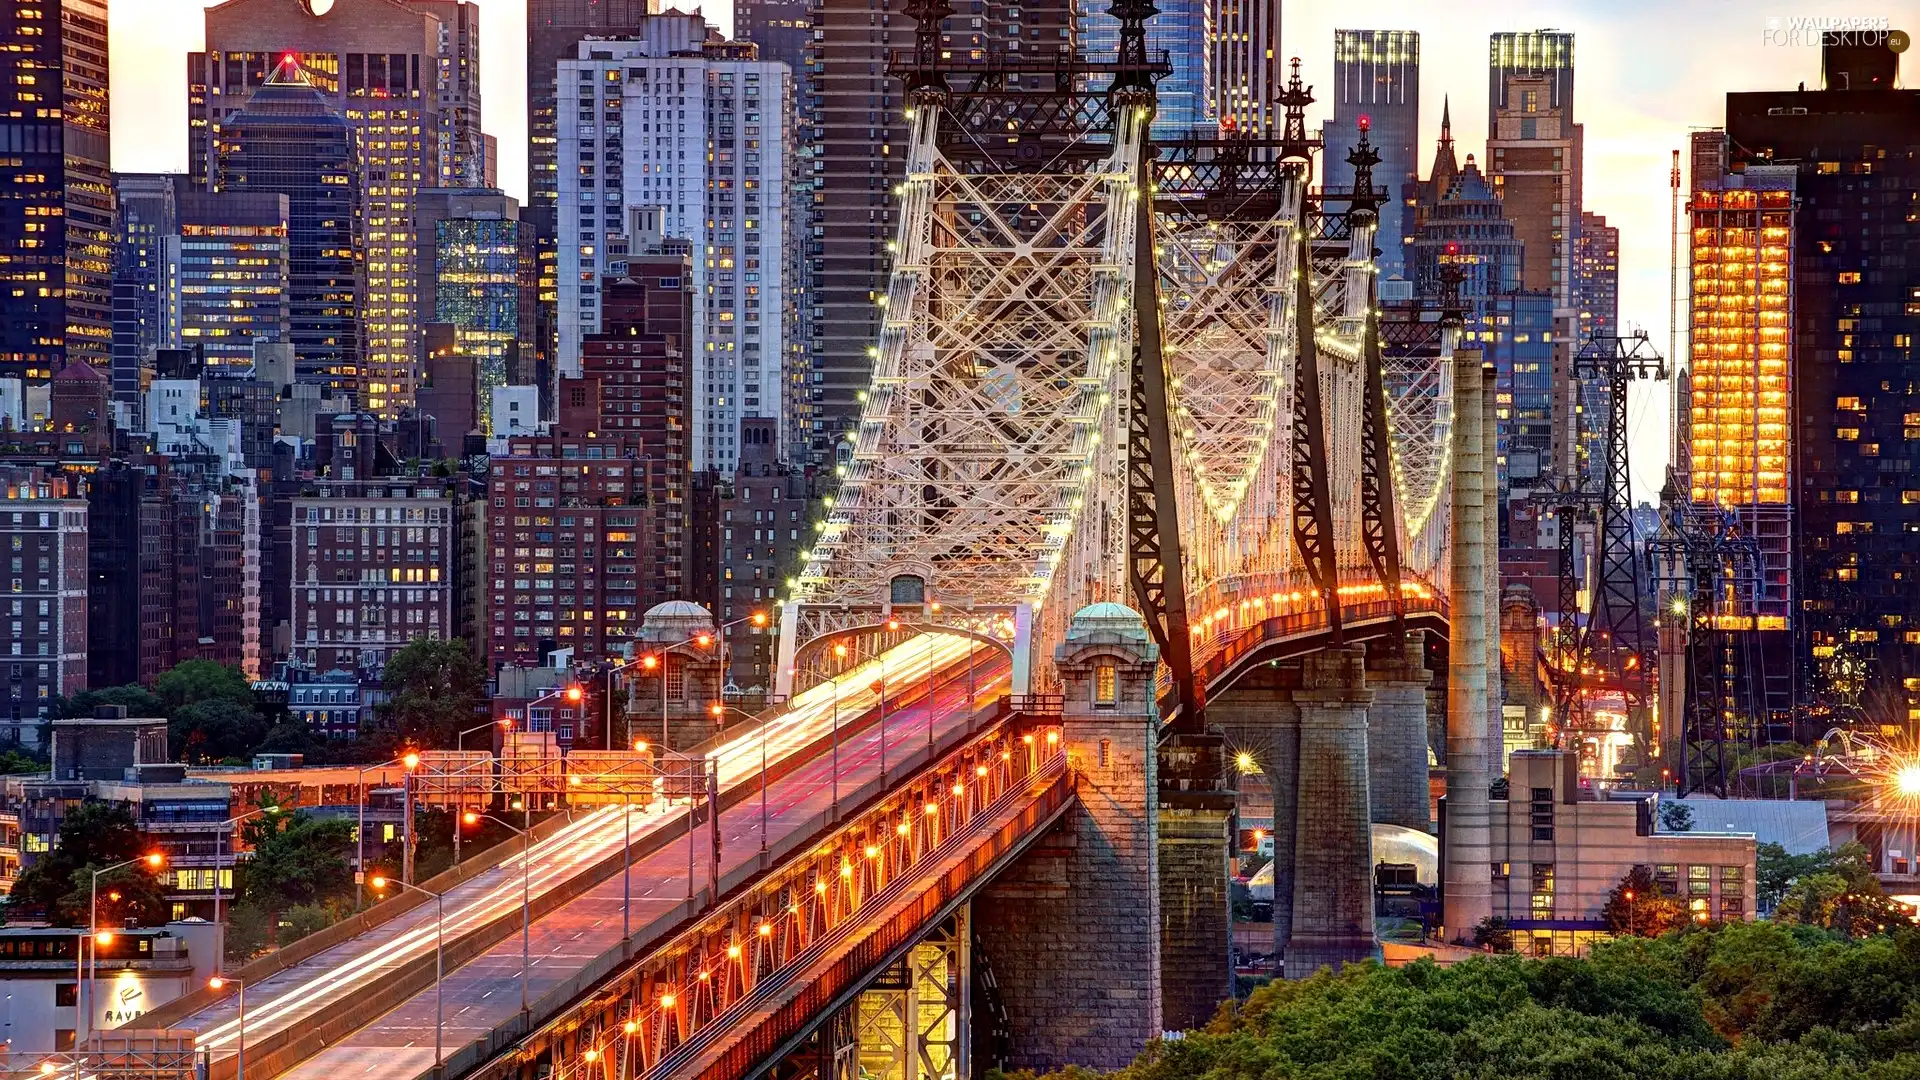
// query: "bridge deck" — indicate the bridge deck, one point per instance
point(577, 944)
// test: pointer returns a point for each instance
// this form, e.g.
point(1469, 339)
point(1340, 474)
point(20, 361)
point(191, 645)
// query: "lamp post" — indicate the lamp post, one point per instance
point(526, 910)
point(460, 740)
point(719, 710)
point(82, 975)
point(360, 836)
point(439, 957)
point(657, 660)
point(219, 854)
point(220, 982)
point(1629, 899)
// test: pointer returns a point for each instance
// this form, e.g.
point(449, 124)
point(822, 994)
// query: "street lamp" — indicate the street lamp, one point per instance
point(1629, 899)
point(719, 711)
point(439, 955)
point(220, 982)
point(219, 854)
point(82, 976)
point(657, 661)
point(360, 837)
point(526, 862)
point(459, 741)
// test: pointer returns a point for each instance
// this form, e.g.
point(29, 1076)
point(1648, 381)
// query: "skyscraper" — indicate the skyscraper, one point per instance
point(1376, 75)
point(146, 214)
point(735, 206)
point(1596, 281)
point(554, 30)
point(473, 250)
point(1822, 313)
point(404, 74)
point(229, 268)
point(1184, 31)
point(1248, 70)
point(56, 223)
point(289, 141)
point(1545, 53)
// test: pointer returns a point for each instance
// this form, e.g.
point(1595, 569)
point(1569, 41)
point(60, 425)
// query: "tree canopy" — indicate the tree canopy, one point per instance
point(1745, 1001)
point(1638, 906)
point(58, 886)
point(435, 689)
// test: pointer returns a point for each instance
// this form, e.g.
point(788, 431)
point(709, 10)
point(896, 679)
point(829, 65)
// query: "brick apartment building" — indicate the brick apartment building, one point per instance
point(373, 569)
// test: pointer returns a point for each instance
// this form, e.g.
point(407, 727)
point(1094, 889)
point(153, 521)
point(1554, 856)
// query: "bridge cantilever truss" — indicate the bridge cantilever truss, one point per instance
point(1110, 371)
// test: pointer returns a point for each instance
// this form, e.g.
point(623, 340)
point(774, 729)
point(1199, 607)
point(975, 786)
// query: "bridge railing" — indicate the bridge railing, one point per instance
point(670, 1003)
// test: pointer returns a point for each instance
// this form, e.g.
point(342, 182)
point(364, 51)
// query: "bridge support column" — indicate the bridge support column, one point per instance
point(1196, 940)
point(1072, 931)
point(1397, 733)
point(1259, 717)
point(1466, 874)
point(1333, 839)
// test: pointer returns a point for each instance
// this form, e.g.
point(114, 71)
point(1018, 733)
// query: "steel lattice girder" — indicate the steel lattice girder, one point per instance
point(988, 442)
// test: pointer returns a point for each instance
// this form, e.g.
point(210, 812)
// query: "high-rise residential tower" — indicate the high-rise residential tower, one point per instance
point(628, 110)
point(290, 141)
point(1804, 363)
point(1376, 76)
point(56, 221)
point(475, 254)
point(146, 213)
point(405, 75)
point(1596, 280)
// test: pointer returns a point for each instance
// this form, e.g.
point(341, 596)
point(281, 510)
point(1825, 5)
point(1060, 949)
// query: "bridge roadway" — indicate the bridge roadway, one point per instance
point(483, 995)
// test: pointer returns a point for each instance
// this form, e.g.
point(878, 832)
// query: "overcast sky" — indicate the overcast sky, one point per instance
point(1646, 72)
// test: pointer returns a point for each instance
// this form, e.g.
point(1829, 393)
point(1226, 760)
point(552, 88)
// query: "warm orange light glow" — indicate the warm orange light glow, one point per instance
point(155, 859)
point(574, 693)
point(629, 1027)
point(716, 709)
point(639, 746)
point(1906, 780)
point(649, 662)
point(470, 818)
point(766, 929)
point(411, 760)
point(703, 640)
point(378, 882)
point(104, 937)
point(759, 618)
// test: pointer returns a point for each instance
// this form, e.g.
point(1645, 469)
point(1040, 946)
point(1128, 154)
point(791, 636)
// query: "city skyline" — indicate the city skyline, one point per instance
point(1639, 94)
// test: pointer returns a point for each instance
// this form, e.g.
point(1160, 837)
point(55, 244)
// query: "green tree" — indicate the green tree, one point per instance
point(138, 701)
point(215, 729)
point(435, 689)
point(92, 835)
point(1776, 869)
point(1676, 816)
point(1845, 897)
point(195, 681)
point(298, 859)
point(1493, 934)
point(1638, 906)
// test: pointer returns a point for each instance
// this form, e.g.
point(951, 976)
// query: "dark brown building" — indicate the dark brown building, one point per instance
point(372, 569)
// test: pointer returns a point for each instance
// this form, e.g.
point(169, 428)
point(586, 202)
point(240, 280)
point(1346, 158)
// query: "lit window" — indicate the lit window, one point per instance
point(1106, 685)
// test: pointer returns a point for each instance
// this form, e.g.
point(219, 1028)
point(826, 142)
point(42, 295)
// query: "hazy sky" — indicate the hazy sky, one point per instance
point(1646, 72)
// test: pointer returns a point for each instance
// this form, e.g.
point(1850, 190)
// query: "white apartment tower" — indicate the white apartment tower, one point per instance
point(679, 127)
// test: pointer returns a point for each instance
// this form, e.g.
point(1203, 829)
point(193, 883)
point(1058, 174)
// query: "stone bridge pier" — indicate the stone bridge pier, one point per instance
point(1341, 736)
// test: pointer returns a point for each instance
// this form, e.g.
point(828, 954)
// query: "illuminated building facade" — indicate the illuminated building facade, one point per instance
point(56, 223)
point(1853, 150)
point(1376, 74)
point(405, 75)
point(373, 568)
point(475, 258)
point(228, 273)
point(288, 141)
point(1742, 372)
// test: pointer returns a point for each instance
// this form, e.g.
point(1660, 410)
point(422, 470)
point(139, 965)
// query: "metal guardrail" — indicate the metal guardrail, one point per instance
point(644, 1013)
point(836, 967)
